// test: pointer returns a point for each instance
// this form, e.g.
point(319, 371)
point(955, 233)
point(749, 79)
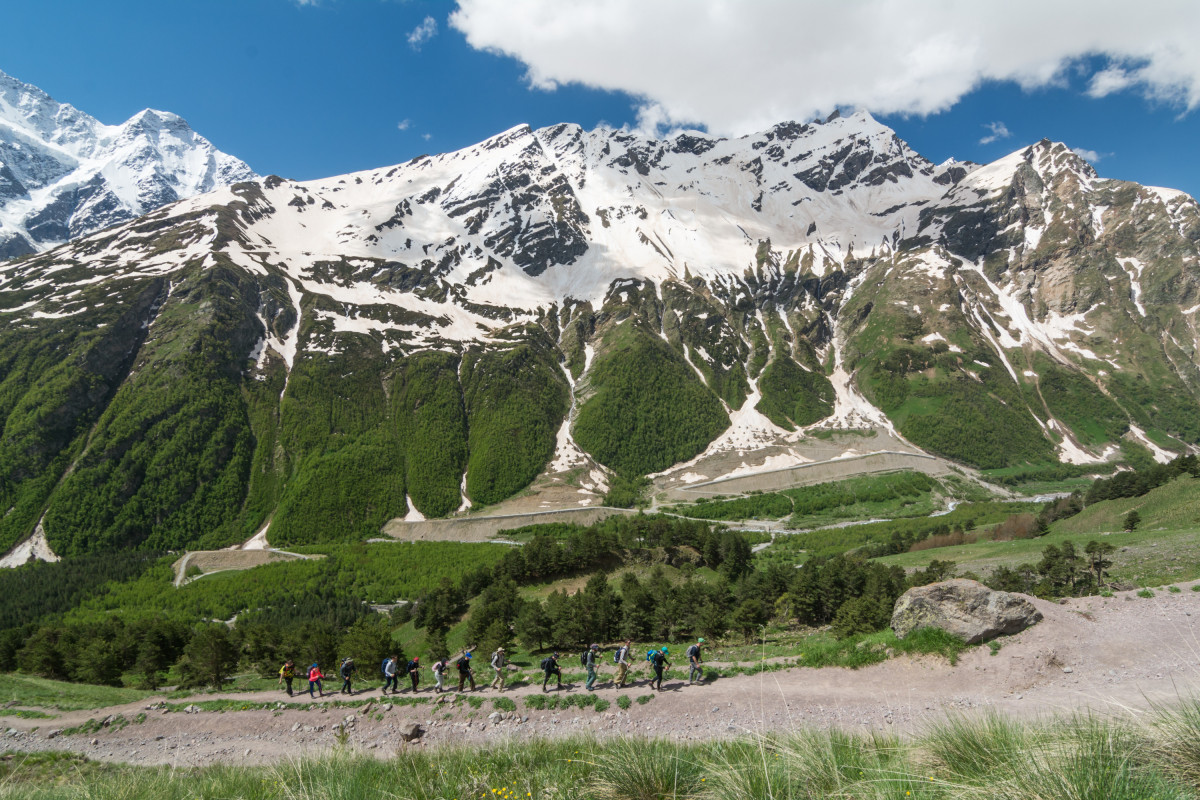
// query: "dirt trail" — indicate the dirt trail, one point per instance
point(1110, 655)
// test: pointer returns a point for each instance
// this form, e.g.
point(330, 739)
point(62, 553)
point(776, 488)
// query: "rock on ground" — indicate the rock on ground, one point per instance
point(965, 608)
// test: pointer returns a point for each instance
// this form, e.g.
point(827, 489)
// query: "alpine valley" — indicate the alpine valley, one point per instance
point(552, 315)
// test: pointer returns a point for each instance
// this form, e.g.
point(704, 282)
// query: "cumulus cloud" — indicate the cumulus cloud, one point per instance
point(1091, 156)
point(998, 131)
point(404, 124)
point(422, 33)
point(741, 66)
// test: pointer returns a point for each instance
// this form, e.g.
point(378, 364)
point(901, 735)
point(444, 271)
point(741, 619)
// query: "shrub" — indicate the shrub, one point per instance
point(623, 702)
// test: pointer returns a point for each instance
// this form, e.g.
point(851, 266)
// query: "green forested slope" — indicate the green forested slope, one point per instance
point(650, 410)
point(794, 396)
point(169, 459)
point(516, 399)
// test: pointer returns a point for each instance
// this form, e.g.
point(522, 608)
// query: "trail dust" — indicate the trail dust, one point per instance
point(1110, 655)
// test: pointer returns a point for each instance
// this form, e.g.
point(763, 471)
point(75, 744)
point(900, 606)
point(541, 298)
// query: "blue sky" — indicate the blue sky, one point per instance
point(310, 89)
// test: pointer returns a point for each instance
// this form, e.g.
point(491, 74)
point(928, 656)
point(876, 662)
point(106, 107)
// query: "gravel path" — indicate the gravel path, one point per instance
point(1111, 655)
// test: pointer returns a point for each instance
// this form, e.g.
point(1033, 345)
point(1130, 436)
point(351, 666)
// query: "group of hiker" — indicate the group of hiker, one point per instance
point(658, 660)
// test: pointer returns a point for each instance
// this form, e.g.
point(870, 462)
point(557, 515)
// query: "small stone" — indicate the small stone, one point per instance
point(1067, 670)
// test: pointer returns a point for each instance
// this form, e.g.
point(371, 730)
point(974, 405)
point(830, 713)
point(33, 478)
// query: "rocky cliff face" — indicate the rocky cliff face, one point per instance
point(420, 338)
point(63, 174)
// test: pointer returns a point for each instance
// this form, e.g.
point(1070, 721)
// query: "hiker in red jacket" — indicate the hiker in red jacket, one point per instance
point(314, 680)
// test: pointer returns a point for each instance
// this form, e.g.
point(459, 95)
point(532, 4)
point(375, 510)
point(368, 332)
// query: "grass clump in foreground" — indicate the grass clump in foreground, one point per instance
point(963, 758)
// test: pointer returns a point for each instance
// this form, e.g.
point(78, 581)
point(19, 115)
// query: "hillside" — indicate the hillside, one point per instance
point(584, 308)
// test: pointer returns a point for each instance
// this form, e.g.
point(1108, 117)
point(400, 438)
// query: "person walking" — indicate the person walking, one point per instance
point(391, 676)
point(465, 673)
point(550, 667)
point(347, 673)
point(414, 672)
point(500, 667)
point(287, 673)
point(660, 664)
point(622, 661)
point(695, 671)
point(439, 675)
point(314, 680)
point(589, 662)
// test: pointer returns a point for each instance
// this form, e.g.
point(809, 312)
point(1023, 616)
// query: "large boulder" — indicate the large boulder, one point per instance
point(964, 608)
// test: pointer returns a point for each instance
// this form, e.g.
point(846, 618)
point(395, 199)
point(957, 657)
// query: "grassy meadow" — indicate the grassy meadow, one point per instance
point(963, 758)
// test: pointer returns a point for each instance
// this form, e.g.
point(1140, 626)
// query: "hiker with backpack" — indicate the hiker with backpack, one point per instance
point(500, 666)
point(314, 680)
point(660, 664)
point(589, 663)
point(414, 672)
point(287, 674)
point(550, 667)
point(650, 663)
point(347, 673)
point(391, 676)
point(621, 659)
point(439, 675)
point(465, 673)
point(695, 671)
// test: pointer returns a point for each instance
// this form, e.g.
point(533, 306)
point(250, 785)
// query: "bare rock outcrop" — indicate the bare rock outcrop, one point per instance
point(965, 608)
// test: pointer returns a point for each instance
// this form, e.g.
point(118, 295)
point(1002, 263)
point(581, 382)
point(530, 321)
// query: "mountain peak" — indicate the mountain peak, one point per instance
point(66, 174)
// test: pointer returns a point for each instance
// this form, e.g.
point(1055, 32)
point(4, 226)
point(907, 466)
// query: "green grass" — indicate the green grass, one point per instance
point(903, 493)
point(961, 758)
point(1153, 558)
point(1173, 506)
point(27, 690)
point(1162, 550)
point(797, 548)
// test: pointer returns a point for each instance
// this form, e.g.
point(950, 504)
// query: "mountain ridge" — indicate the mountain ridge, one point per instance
point(573, 310)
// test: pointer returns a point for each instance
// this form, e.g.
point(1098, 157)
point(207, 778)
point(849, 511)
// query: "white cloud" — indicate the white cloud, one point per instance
point(998, 131)
point(427, 136)
point(404, 124)
point(1091, 156)
point(422, 33)
point(741, 66)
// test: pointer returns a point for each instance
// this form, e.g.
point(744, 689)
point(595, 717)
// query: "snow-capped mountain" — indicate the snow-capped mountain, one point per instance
point(64, 174)
point(576, 308)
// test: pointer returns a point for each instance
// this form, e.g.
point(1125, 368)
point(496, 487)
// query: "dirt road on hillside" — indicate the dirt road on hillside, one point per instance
point(1114, 655)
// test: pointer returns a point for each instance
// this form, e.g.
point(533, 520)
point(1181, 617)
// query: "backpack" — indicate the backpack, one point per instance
point(383, 667)
point(545, 663)
point(693, 651)
point(583, 657)
point(463, 664)
point(650, 655)
point(617, 655)
point(439, 668)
